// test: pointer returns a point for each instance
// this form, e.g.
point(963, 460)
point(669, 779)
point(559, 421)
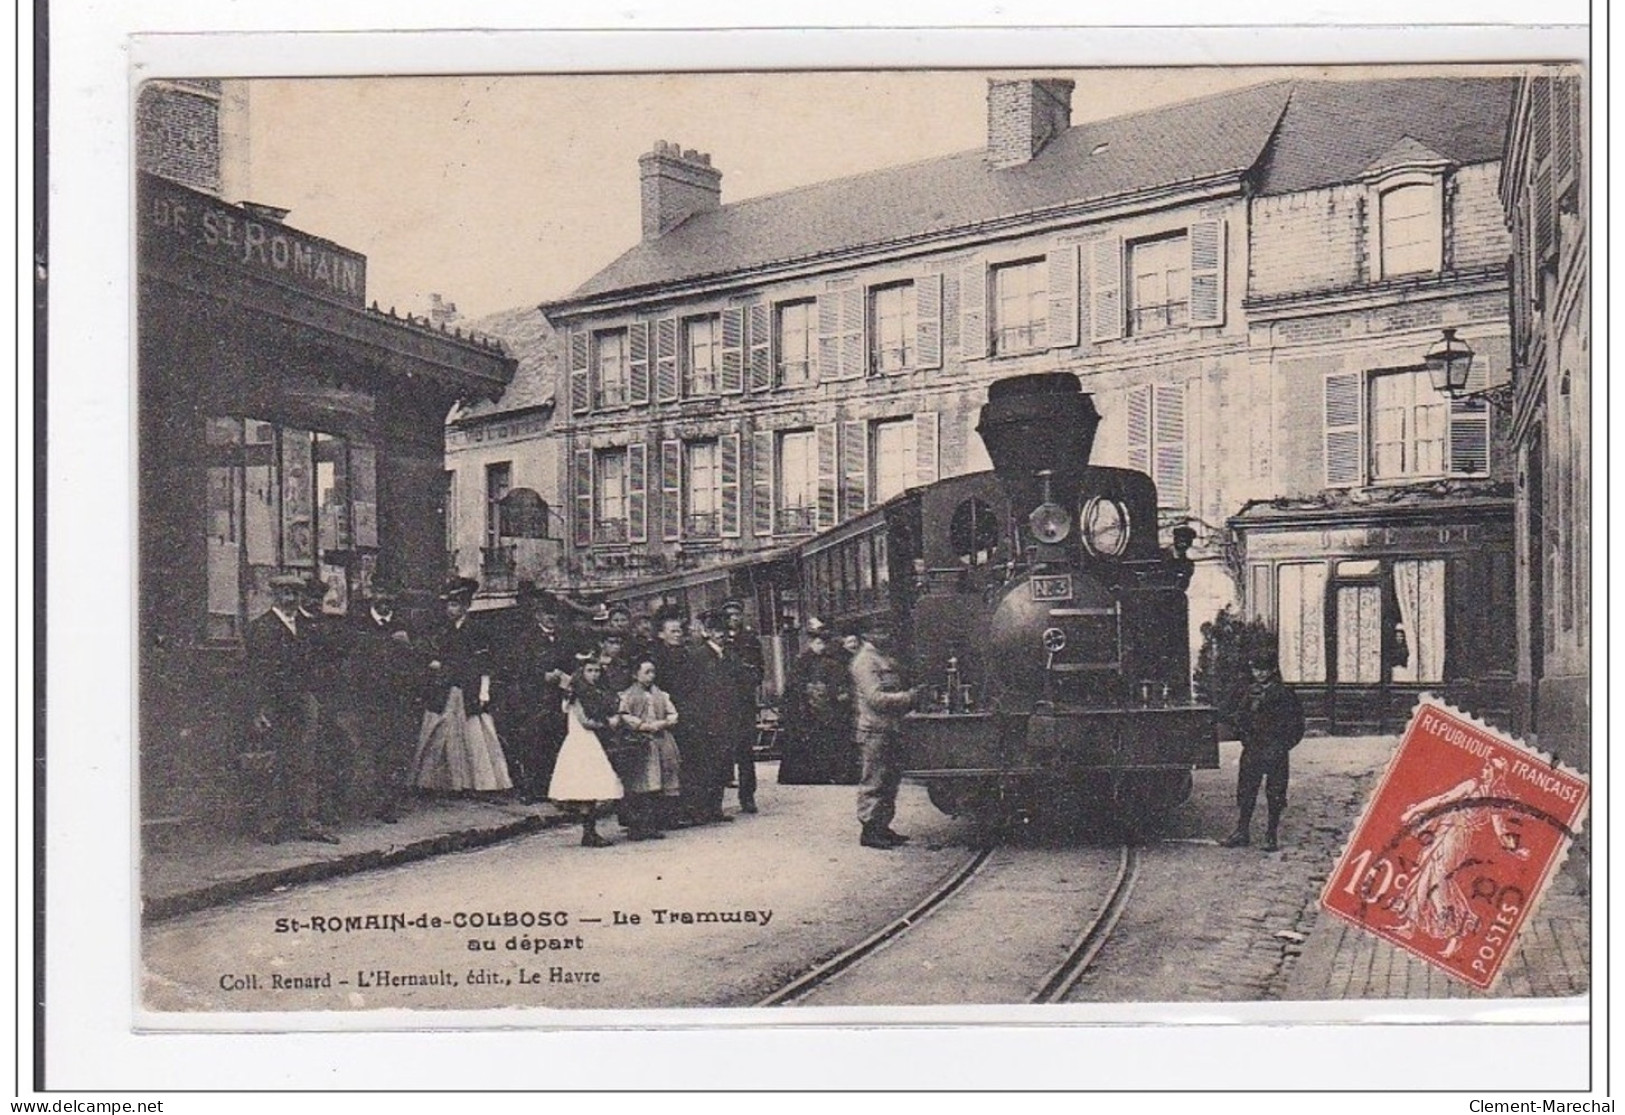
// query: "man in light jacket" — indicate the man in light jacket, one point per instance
point(881, 701)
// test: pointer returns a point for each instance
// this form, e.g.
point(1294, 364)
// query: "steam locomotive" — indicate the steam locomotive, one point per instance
point(1045, 622)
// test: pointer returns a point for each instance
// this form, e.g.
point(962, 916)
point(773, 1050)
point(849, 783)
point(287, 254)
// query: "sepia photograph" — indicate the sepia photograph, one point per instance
point(862, 539)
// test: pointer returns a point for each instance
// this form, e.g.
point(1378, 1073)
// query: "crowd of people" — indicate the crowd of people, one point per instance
point(652, 719)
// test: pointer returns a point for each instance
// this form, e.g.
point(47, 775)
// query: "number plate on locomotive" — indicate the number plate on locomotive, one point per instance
point(1051, 588)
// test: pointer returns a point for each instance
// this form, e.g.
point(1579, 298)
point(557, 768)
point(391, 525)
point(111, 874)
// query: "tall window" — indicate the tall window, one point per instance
point(277, 497)
point(498, 480)
point(891, 328)
point(1020, 307)
point(1409, 423)
point(798, 481)
point(702, 343)
point(1300, 616)
point(894, 458)
point(797, 337)
point(1412, 230)
point(611, 492)
point(612, 368)
point(449, 514)
point(704, 476)
point(1160, 284)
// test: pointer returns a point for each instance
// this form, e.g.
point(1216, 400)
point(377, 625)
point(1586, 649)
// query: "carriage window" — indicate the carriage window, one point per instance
point(882, 566)
point(974, 533)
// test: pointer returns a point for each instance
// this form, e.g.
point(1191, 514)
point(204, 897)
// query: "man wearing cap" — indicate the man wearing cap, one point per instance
point(286, 717)
point(377, 717)
point(1270, 724)
point(538, 661)
point(881, 700)
point(818, 746)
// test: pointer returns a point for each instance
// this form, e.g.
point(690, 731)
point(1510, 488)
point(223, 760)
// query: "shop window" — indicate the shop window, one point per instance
point(279, 498)
point(1419, 590)
point(1300, 609)
point(1359, 634)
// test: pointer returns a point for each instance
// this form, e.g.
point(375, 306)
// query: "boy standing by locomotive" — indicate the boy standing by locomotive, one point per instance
point(1270, 724)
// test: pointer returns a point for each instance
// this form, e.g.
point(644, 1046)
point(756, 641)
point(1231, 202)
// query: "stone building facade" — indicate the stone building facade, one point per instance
point(1234, 278)
point(1544, 187)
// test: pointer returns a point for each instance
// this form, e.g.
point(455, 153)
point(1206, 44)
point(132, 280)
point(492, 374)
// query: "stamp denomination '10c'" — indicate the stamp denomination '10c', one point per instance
point(1457, 844)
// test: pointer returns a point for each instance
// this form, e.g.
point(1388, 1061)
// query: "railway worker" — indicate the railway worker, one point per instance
point(612, 653)
point(379, 716)
point(744, 657)
point(538, 660)
point(285, 718)
point(1270, 724)
point(881, 701)
point(818, 743)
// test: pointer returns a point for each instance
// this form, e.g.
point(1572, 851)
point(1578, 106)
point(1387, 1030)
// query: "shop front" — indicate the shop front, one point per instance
point(1376, 602)
point(283, 427)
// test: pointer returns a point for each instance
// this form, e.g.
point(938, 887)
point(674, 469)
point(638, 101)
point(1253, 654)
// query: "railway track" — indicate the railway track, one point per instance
point(981, 933)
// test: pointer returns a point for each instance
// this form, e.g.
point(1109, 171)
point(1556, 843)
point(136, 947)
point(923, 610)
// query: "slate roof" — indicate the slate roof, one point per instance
point(532, 340)
point(1293, 135)
point(1334, 130)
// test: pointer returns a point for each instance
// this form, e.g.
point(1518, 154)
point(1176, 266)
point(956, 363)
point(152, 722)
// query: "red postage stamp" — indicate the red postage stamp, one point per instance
point(1457, 844)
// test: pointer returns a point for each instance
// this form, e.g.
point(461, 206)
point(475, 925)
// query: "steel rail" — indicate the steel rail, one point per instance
point(1065, 976)
point(950, 885)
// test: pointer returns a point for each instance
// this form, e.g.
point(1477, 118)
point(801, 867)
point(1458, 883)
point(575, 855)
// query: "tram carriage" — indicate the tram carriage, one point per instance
point(1038, 610)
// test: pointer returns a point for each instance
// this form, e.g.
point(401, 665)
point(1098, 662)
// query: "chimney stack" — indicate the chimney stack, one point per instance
point(441, 312)
point(676, 185)
point(1023, 115)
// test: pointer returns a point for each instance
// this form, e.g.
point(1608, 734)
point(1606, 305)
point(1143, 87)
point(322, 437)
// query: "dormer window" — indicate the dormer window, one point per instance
point(1412, 229)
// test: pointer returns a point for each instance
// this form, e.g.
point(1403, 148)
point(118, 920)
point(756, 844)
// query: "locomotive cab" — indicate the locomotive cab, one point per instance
point(1066, 666)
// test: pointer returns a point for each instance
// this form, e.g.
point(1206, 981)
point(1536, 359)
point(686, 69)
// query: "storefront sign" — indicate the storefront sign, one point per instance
point(202, 226)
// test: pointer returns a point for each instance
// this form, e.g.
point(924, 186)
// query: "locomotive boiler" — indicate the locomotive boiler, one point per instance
point(1048, 624)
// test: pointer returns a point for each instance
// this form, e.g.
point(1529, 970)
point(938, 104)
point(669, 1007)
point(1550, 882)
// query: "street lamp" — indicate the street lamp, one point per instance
point(1450, 361)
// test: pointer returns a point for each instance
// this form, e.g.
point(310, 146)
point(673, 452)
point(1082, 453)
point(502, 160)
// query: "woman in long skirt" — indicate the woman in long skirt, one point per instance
point(650, 770)
point(458, 745)
point(583, 778)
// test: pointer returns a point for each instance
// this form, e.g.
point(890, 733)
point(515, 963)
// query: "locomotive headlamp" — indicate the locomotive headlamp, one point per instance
point(1105, 526)
point(1049, 521)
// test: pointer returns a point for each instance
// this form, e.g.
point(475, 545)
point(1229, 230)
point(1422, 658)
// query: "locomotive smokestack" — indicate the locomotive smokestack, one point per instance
point(1037, 422)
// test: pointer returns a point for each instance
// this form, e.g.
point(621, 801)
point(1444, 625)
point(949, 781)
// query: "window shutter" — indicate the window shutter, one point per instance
point(761, 495)
point(637, 492)
point(852, 362)
point(1207, 272)
point(729, 451)
point(928, 321)
point(1470, 426)
point(1565, 90)
point(759, 366)
point(1139, 429)
point(637, 343)
point(1063, 296)
point(925, 447)
point(829, 337)
point(1106, 289)
point(732, 379)
point(854, 469)
point(667, 385)
point(973, 311)
point(581, 488)
point(671, 490)
point(827, 486)
point(1168, 423)
point(580, 373)
point(1344, 442)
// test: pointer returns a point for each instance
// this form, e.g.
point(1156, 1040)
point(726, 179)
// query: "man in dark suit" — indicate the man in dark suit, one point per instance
point(713, 722)
point(287, 715)
point(675, 661)
point(379, 716)
point(533, 666)
point(744, 658)
point(1270, 724)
